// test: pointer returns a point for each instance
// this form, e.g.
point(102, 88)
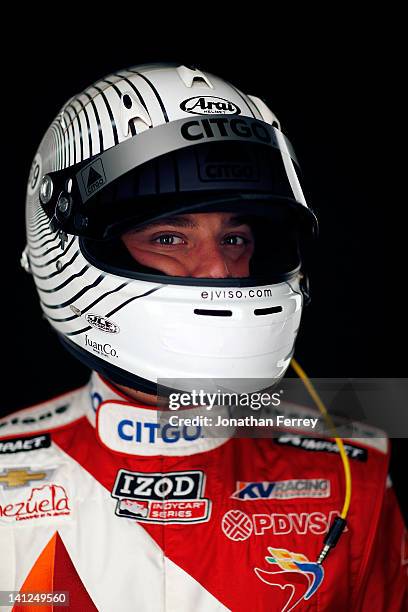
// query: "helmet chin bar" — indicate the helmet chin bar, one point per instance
point(119, 376)
point(107, 370)
point(197, 332)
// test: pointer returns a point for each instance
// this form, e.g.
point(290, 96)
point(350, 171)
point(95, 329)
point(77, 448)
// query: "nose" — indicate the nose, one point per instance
point(211, 263)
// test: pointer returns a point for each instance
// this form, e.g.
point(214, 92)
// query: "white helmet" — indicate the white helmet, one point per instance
point(135, 146)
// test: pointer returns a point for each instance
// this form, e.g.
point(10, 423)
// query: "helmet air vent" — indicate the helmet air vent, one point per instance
point(193, 77)
point(266, 311)
point(133, 114)
point(212, 313)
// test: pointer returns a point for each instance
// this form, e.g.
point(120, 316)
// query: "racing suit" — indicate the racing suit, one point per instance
point(96, 501)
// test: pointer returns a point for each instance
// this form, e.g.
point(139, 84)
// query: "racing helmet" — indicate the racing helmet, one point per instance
point(139, 145)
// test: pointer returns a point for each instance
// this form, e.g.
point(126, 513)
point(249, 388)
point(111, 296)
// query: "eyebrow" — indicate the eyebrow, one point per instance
point(180, 221)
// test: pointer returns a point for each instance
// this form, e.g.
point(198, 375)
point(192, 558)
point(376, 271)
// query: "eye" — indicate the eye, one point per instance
point(235, 240)
point(168, 239)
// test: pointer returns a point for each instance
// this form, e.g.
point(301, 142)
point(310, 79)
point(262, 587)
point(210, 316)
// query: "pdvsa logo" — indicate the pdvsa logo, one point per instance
point(103, 324)
point(239, 526)
point(209, 105)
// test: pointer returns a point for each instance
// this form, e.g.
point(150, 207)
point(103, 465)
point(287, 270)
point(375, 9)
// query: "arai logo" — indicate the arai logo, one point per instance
point(209, 105)
point(102, 324)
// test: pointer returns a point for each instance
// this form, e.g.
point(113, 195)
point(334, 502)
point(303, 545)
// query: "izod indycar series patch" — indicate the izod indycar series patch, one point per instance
point(172, 497)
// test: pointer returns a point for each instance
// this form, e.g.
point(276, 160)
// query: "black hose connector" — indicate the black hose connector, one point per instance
point(335, 531)
point(332, 537)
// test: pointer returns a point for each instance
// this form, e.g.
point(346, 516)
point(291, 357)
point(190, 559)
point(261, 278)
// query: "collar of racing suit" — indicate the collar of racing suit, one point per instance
point(126, 426)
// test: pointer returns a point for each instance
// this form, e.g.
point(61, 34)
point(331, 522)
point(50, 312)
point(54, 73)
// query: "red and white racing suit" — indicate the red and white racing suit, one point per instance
point(97, 502)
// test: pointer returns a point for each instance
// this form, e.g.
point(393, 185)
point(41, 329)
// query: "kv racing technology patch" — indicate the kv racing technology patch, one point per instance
point(282, 489)
point(173, 497)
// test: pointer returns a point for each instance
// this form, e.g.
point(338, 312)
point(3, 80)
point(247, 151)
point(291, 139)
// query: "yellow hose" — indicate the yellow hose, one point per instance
point(346, 464)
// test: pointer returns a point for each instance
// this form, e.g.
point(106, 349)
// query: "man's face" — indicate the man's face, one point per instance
point(201, 245)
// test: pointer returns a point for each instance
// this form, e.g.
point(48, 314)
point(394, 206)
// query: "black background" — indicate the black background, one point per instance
point(327, 89)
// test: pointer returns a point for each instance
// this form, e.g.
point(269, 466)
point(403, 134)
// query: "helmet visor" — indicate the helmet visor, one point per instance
point(185, 164)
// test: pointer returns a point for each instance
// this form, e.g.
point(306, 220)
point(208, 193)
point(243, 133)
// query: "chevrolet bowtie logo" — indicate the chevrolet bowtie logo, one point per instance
point(19, 478)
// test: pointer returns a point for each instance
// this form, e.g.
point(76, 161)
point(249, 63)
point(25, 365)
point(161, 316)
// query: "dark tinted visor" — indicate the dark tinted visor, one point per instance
point(189, 164)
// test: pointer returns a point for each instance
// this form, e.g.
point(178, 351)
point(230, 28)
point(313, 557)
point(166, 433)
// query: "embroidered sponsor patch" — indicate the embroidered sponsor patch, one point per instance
point(238, 525)
point(18, 445)
point(34, 494)
point(44, 501)
point(282, 489)
point(296, 577)
point(172, 497)
point(22, 477)
point(321, 445)
point(129, 429)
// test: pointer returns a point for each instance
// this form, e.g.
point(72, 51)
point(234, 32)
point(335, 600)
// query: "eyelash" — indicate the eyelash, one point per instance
point(158, 238)
point(243, 238)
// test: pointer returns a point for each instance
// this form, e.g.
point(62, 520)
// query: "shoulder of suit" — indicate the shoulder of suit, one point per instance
point(354, 434)
point(48, 415)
